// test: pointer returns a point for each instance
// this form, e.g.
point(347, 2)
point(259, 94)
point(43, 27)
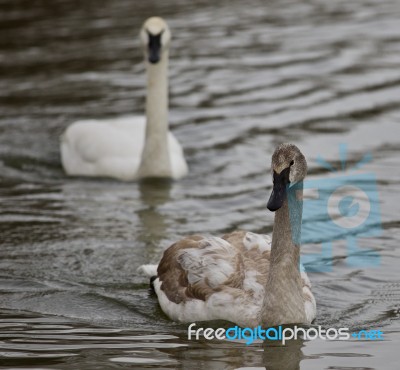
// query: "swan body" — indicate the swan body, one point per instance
point(246, 278)
point(113, 148)
point(131, 147)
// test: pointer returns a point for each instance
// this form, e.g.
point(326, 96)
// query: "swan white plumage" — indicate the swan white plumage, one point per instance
point(246, 278)
point(129, 148)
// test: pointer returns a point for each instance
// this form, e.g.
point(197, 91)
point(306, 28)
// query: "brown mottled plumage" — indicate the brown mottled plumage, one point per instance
point(243, 277)
point(174, 277)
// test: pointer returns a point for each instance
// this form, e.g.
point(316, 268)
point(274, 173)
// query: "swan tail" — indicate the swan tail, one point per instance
point(148, 270)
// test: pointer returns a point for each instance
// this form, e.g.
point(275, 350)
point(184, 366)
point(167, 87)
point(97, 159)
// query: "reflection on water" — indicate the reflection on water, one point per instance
point(154, 194)
point(277, 356)
point(243, 78)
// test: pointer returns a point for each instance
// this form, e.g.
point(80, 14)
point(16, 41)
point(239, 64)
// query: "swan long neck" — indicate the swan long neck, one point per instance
point(284, 284)
point(155, 160)
point(284, 252)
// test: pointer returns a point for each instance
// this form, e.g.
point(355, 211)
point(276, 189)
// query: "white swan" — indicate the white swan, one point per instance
point(243, 277)
point(129, 148)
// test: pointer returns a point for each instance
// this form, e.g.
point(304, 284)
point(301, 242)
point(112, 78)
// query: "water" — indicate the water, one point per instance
point(244, 76)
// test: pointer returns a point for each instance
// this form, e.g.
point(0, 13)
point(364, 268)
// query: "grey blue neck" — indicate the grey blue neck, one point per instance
point(287, 229)
point(283, 302)
point(284, 252)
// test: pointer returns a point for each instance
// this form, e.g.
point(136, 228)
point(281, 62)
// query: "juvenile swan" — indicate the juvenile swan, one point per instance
point(242, 277)
point(128, 148)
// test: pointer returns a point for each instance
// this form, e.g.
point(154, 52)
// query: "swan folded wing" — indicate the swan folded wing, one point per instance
point(208, 278)
point(310, 305)
point(197, 267)
point(120, 137)
point(103, 148)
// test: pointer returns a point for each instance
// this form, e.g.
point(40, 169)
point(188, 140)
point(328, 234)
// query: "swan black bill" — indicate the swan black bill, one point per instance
point(154, 47)
point(278, 194)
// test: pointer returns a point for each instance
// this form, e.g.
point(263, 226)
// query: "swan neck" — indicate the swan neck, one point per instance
point(283, 300)
point(155, 157)
point(286, 235)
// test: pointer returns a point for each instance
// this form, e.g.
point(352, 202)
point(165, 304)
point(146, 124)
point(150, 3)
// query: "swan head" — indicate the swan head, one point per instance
point(155, 36)
point(288, 167)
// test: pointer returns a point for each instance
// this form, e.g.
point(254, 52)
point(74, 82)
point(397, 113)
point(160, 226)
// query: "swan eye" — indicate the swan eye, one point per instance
point(292, 163)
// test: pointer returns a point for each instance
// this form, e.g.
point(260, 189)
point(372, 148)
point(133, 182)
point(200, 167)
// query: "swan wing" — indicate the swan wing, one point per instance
point(208, 278)
point(310, 304)
point(111, 147)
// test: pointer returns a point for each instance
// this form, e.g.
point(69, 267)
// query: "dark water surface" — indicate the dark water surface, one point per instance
point(244, 76)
